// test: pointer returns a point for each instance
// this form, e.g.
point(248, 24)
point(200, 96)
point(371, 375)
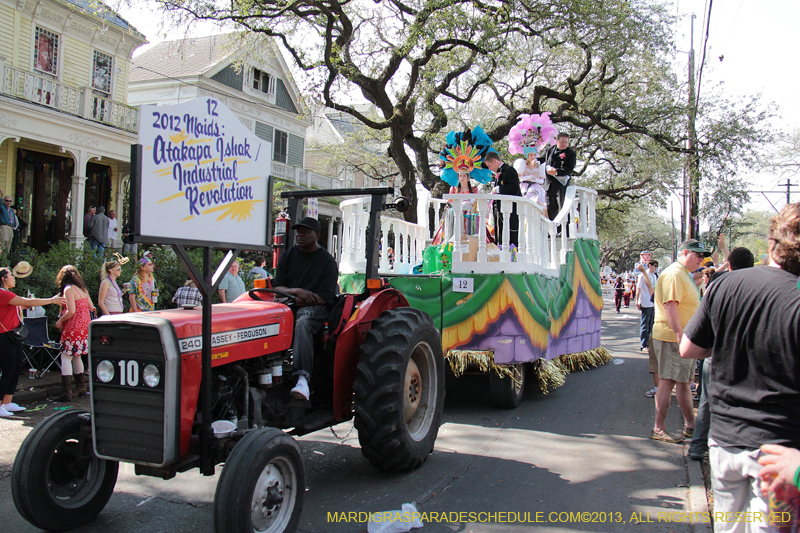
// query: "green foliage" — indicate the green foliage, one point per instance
point(169, 273)
point(623, 237)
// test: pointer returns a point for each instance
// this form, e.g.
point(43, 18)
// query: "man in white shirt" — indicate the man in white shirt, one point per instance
point(644, 303)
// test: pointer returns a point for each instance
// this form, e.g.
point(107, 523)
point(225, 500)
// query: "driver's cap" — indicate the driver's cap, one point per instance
point(310, 223)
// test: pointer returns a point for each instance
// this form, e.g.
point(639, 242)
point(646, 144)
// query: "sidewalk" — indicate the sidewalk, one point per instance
point(621, 337)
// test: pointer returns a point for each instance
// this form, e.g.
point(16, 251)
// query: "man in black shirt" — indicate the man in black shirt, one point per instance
point(749, 320)
point(560, 160)
point(507, 183)
point(309, 273)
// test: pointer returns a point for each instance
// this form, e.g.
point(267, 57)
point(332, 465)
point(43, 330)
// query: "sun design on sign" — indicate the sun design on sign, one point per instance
point(241, 210)
point(463, 158)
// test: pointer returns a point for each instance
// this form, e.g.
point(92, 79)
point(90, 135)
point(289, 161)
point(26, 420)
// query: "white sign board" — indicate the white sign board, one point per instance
point(204, 175)
point(463, 284)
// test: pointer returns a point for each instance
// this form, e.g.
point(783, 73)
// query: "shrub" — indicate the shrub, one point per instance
point(169, 272)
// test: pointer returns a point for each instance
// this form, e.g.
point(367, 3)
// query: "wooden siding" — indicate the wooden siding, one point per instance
point(77, 62)
point(6, 32)
point(24, 51)
point(120, 82)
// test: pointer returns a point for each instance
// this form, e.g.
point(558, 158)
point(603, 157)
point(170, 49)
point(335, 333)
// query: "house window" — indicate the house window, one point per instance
point(45, 52)
point(101, 73)
point(280, 146)
point(263, 82)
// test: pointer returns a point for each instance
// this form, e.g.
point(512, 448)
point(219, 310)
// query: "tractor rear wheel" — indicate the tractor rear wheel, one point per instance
point(399, 390)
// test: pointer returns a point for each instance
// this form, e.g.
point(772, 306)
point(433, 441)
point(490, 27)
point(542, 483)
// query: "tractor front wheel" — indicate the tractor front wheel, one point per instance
point(399, 390)
point(57, 481)
point(262, 485)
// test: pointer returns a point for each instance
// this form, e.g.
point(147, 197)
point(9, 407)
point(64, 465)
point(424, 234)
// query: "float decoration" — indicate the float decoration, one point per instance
point(531, 133)
point(465, 151)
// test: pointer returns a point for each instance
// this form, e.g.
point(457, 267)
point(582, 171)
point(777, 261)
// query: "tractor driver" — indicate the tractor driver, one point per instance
point(309, 273)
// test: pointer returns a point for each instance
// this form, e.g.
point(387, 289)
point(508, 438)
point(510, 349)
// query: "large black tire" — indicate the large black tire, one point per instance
point(54, 487)
point(507, 392)
point(262, 485)
point(399, 390)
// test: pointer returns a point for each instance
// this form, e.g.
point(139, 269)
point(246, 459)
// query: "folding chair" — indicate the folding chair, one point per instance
point(40, 350)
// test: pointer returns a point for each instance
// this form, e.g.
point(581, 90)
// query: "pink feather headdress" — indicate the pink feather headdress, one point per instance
point(531, 133)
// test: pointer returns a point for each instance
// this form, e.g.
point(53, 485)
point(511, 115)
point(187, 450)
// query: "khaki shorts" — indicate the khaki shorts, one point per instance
point(651, 352)
point(670, 363)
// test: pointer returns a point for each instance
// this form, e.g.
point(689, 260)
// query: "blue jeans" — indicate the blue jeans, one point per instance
point(646, 325)
point(98, 247)
point(702, 421)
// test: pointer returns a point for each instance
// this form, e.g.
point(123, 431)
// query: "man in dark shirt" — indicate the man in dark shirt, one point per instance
point(750, 321)
point(507, 183)
point(560, 160)
point(309, 273)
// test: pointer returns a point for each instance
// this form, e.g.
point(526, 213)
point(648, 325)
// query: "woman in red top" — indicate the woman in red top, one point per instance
point(11, 354)
point(74, 324)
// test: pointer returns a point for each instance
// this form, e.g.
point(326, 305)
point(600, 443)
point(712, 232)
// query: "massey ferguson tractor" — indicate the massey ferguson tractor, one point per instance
point(378, 361)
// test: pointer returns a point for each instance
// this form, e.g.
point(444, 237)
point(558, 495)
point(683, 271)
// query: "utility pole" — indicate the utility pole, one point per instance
point(789, 186)
point(672, 216)
point(692, 180)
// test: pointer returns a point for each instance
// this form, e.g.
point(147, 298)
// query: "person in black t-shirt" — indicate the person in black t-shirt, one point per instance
point(309, 273)
point(750, 321)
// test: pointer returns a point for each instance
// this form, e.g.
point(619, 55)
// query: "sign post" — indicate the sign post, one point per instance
point(200, 178)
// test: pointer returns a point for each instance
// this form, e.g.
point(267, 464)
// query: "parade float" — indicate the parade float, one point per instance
point(516, 312)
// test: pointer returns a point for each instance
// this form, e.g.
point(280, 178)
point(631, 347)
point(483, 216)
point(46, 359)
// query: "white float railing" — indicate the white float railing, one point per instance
point(578, 215)
point(541, 249)
point(532, 253)
point(408, 240)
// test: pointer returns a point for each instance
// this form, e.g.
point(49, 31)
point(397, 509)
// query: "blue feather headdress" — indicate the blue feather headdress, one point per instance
point(465, 151)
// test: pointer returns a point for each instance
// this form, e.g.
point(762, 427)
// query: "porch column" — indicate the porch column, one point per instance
point(120, 202)
point(76, 237)
point(331, 223)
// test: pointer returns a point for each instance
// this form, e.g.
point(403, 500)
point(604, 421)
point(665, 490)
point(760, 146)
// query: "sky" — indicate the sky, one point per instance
point(757, 39)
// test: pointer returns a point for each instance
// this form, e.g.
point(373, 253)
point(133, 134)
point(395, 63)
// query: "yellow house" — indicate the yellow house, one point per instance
point(65, 130)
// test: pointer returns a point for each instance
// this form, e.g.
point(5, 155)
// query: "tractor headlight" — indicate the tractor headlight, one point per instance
point(151, 375)
point(105, 371)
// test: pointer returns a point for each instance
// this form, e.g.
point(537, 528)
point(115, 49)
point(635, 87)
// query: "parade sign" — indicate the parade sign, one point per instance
point(204, 175)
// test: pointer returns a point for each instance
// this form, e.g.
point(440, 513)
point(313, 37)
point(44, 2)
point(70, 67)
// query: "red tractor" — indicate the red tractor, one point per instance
point(379, 361)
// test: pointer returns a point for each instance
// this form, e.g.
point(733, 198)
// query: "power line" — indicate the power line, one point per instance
point(705, 46)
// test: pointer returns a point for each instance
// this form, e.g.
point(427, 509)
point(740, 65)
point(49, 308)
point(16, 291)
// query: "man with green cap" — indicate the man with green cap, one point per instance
point(677, 298)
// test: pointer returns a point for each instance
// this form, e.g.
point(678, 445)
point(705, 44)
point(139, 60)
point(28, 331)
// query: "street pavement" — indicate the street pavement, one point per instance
point(580, 457)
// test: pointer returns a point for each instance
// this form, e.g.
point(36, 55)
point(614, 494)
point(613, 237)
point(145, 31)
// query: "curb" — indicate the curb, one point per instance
point(697, 500)
point(36, 395)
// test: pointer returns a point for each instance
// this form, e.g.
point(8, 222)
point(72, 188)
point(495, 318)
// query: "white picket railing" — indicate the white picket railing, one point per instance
point(78, 101)
point(541, 248)
point(305, 178)
point(408, 240)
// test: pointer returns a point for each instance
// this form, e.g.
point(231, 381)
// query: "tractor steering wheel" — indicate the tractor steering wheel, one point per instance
point(292, 300)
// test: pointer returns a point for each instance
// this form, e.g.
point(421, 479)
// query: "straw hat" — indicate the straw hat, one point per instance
point(22, 270)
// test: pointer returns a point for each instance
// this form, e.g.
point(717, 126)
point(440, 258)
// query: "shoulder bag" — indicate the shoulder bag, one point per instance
point(19, 333)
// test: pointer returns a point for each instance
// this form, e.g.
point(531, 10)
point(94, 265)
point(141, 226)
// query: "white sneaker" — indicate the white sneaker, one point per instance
point(4, 413)
point(300, 391)
point(12, 407)
point(651, 393)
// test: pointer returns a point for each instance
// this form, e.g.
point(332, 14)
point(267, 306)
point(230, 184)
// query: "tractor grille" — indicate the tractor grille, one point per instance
point(129, 424)
point(128, 415)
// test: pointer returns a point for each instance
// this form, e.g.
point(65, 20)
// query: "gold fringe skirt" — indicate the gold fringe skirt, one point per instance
point(549, 374)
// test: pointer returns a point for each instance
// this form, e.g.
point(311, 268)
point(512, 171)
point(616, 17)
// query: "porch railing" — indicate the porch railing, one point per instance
point(78, 101)
point(305, 178)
